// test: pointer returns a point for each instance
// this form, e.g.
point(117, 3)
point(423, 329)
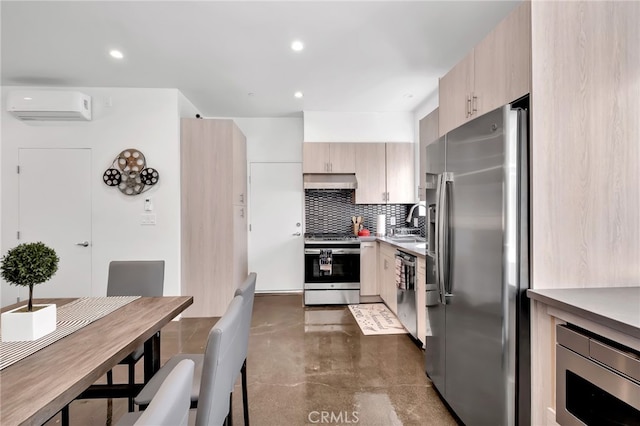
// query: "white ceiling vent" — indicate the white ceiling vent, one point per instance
point(53, 105)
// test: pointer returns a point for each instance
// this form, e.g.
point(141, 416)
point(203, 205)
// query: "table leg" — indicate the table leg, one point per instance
point(151, 356)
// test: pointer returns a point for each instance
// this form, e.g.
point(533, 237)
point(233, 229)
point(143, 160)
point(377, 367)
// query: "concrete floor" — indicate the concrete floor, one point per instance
point(306, 366)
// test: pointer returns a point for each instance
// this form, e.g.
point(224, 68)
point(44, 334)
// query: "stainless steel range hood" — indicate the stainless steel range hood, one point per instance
point(329, 181)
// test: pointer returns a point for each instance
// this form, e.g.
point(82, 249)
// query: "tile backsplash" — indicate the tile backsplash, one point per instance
point(331, 211)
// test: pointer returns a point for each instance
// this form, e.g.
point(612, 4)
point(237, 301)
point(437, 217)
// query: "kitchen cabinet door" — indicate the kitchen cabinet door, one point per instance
point(370, 173)
point(213, 222)
point(400, 173)
point(342, 157)
point(455, 94)
point(387, 276)
point(315, 157)
point(421, 301)
point(369, 269)
point(502, 65)
point(495, 72)
point(428, 134)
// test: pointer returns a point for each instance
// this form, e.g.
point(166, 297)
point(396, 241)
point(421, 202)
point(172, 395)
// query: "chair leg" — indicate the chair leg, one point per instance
point(229, 419)
point(132, 382)
point(245, 396)
point(65, 416)
point(110, 377)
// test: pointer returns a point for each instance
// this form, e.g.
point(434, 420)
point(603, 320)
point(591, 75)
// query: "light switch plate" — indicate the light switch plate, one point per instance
point(392, 220)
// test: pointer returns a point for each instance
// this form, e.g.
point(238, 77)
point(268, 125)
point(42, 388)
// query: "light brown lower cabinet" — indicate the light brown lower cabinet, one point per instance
point(421, 309)
point(387, 276)
point(369, 269)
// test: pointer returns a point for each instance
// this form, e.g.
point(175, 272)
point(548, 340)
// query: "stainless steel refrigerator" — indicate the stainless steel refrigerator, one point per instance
point(477, 347)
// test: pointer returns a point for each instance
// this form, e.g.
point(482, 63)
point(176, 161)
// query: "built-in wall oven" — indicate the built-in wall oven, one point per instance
point(597, 380)
point(331, 269)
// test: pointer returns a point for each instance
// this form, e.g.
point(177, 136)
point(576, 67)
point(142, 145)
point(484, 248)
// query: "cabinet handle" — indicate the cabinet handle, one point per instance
point(388, 197)
point(331, 167)
point(384, 196)
point(241, 212)
point(474, 105)
point(242, 198)
point(468, 106)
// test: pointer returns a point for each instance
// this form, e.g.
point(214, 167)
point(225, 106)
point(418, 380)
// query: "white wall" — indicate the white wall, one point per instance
point(272, 140)
point(145, 119)
point(324, 126)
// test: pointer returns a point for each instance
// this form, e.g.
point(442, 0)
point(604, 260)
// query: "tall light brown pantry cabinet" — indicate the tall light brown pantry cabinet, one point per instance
point(213, 213)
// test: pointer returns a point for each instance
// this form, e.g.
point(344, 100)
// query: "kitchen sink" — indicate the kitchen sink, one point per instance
point(406, 239)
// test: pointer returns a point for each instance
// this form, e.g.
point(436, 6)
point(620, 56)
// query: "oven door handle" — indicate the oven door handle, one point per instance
point(333, 251)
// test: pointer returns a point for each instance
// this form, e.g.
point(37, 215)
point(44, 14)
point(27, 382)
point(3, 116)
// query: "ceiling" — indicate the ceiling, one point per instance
point(233, 58)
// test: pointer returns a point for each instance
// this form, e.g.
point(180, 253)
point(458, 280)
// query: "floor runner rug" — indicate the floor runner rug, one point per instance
point(376, 318)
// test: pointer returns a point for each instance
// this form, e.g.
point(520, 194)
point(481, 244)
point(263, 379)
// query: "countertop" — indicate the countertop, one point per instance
point(411, 248)
point(615, 307)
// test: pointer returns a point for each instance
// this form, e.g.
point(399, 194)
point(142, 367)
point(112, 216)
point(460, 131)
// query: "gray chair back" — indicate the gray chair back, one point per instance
point(247, 290)
point(220, 356)
point(136, 278)
point(170, 406)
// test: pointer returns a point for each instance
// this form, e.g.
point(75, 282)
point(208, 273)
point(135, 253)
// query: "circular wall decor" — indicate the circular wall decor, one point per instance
point(130, 174)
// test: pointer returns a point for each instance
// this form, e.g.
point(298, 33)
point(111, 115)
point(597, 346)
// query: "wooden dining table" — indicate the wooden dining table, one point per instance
point(37, 387)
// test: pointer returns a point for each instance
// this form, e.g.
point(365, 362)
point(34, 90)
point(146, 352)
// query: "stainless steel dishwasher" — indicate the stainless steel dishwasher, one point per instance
point(406, 286)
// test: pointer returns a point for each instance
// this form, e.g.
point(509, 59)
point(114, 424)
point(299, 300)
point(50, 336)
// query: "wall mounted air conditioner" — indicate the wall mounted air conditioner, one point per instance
point(54, 105)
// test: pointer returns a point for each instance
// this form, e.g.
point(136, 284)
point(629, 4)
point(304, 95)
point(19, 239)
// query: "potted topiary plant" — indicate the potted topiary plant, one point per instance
point(29, 264)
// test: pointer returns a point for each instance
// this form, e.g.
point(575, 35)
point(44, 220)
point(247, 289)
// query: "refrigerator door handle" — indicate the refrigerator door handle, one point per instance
point(447, 179)
point(436, 240)
point(440, 223)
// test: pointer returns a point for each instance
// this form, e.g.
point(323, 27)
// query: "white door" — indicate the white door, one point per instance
point(55, 208)
point(276, 241)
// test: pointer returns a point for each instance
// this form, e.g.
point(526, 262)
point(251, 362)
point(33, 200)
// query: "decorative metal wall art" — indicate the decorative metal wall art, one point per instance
point(129, 172)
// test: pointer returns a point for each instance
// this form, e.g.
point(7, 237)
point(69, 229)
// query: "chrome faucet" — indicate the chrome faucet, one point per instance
point(422, 211)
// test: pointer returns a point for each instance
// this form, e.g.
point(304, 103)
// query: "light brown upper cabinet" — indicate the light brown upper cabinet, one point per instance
point(494, 73)
point(428, 134)
point(385, 173)
point(329, 157)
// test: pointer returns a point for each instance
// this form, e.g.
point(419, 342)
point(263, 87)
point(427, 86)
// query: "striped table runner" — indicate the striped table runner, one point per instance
point(70, 317)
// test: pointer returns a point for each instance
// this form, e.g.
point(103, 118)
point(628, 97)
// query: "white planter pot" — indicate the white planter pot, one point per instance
point(19, 326)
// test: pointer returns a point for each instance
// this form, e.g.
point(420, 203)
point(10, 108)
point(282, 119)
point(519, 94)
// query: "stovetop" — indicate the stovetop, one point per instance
point(329, 236)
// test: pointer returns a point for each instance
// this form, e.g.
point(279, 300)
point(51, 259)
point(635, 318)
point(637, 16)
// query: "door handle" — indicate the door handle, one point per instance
point(296, 234)
point(83, 244)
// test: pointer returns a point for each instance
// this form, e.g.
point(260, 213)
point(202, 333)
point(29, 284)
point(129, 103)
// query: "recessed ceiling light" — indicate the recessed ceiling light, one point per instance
point(116, 54)
point(27, 98)
point(297, 45)
point(298, 95)
point(408, 95)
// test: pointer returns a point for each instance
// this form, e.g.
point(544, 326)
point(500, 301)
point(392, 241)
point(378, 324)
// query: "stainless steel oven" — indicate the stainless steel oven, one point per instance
point(331, 269)
point(597, 380)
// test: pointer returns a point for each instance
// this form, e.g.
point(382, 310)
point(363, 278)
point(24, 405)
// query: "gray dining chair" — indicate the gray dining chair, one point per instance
point(170, 406)
point(214, 370)
point(247, 290)
point(134, 278)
